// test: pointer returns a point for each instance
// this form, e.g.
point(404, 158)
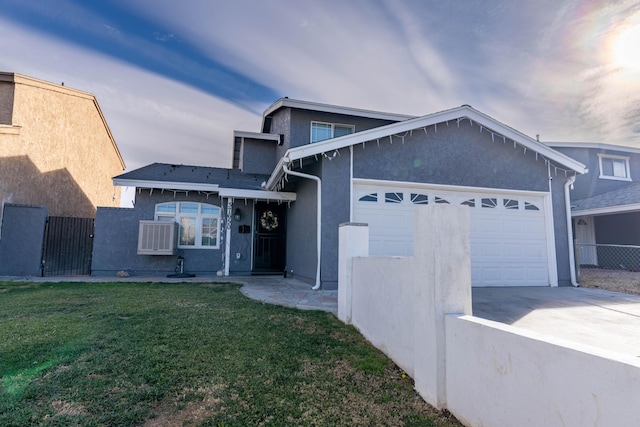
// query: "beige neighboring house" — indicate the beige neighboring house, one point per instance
point(56, 149)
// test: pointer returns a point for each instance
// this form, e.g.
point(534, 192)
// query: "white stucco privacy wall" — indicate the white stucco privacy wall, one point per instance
point(499, 375)
point(399, 303)
point(418, 311)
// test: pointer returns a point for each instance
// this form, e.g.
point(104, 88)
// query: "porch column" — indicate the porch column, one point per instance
point(227, 241)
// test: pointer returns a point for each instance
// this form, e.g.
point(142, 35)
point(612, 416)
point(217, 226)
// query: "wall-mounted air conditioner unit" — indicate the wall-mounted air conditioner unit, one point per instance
point(157, 238)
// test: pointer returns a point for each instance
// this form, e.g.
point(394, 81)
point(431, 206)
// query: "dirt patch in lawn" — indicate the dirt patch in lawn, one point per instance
point(611, 280)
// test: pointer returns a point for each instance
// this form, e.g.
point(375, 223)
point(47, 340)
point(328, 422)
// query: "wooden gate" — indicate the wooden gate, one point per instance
point(68, 244)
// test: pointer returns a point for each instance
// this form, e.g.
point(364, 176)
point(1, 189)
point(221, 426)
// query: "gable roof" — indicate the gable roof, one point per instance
point(225, 182)
point(327, 108)
point(464, 112)
point(42, 84)
point(625, 199)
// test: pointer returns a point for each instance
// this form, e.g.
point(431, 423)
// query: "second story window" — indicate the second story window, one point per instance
point(321, 131)
point(614, 167)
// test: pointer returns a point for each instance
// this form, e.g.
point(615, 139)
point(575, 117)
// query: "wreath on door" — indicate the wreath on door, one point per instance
point(269, 220)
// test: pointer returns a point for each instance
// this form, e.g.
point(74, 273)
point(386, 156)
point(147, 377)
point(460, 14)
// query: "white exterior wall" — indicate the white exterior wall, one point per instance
point(498, 375)
point(417, 311)
point(399, 303)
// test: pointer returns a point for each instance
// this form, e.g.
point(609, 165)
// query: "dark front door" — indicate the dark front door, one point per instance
point(269, 238)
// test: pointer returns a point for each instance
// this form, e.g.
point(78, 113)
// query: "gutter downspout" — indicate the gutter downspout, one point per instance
point(285, 167)
point(572, 259)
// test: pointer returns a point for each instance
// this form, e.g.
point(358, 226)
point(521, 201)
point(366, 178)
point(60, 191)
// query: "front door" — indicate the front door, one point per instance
point(269, 238)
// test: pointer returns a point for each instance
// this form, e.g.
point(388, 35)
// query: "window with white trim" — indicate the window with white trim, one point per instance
point(614, 167)
point(199, 223)
point(321, 131)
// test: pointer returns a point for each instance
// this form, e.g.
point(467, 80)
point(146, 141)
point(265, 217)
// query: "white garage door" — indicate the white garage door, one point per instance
point(508, 231)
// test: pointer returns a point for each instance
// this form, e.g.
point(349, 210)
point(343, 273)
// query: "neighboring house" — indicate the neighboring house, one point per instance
point(56, 149)
point(605, 203)
point(369, 167)
point(57, 158)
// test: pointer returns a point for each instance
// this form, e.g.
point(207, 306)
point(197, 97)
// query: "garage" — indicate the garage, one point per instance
point(510, 231)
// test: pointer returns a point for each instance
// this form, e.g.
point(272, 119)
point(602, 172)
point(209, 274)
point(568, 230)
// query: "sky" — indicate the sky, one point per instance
point(174, 79)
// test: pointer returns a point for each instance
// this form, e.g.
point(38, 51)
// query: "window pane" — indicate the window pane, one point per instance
point(393, 197)
point(339, 130)
point(166, 208)
point(209, 231)
point(211, 210)
point(188, 207)
point(166, 218)
point(320, 131)
point(619, 168)
point(187, 231)
point(607, 167)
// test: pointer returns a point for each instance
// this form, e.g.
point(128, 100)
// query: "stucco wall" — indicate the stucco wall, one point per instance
point(21, 240)
point(498, 375)
point(590, 184)
point(258, 156)
point(454, 155)
point(295, 125)
point(63, 156)
point(301, 228)
point(116, 241)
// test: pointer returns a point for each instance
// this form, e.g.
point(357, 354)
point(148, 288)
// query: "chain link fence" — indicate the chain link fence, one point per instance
point(611, 267)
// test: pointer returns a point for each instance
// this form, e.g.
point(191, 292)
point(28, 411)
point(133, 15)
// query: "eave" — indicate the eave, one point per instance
point(608, 210)
point(166, 185)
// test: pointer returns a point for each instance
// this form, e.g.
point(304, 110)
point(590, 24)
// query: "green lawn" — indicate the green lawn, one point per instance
point(188, 354)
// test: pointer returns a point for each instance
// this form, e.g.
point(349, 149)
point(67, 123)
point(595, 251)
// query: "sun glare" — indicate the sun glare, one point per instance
point(627, 47)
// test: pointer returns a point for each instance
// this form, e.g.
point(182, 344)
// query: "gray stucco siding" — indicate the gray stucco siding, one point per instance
point(336, 202)
point(21, 240)
point(258, 156)
point(301, 227)
point(295, 125)
point(116, 240)
point(590, 184)
point(618, 229)
point(460, 156)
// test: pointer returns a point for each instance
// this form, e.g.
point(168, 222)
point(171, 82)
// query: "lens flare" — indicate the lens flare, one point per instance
point(627, 47)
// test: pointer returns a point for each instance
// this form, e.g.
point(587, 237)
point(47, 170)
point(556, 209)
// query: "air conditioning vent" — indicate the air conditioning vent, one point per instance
point(157, 238)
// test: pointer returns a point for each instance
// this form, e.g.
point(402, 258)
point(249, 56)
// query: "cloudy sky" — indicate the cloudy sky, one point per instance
point(175, 78)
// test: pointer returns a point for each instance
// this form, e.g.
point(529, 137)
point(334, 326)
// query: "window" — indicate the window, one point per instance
point(614, 167)
point(198, 223)
point(321, 131)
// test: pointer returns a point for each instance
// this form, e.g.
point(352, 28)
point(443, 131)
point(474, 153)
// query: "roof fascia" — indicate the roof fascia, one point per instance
point(594, 145)
point(257, 194)
point(256, 135)
point(327, 108)
point(607, 210)
point(166, 185)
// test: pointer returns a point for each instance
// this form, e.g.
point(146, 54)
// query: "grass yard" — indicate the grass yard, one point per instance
point(130, 354)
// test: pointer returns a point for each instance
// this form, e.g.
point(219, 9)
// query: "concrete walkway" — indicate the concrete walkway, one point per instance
point(277, 290)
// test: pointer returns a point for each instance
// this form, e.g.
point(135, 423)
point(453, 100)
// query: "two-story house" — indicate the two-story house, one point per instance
point(605, 204)
point(314, 166)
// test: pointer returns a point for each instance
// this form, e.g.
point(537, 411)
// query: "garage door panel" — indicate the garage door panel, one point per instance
point(508, 235)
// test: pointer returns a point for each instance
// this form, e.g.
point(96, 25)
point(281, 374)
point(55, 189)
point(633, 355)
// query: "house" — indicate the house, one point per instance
point(314, 166)
point(57, 158)
point(56, 149)
point(605, 204)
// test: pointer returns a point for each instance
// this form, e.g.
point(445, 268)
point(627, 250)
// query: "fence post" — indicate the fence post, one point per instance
point(576, 258)
point(353, 242)
point(442, 285)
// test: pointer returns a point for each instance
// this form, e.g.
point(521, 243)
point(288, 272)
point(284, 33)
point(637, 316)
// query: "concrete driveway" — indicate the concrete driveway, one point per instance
point(607, 320)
